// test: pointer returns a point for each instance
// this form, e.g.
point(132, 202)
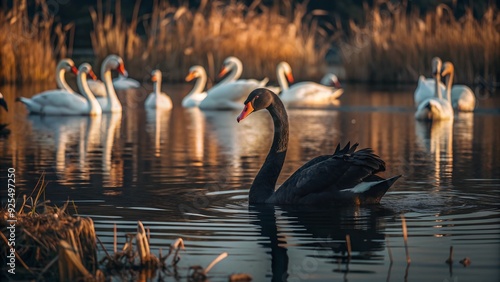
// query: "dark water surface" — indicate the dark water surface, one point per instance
point(186, 174)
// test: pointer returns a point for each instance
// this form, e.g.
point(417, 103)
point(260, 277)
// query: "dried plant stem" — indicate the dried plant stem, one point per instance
point(405, 238)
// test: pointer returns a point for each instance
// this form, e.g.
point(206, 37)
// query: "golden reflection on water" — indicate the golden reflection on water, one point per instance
point(138, 142)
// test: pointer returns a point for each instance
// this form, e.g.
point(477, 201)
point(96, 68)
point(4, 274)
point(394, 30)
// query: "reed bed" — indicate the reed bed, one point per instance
point(30, 45)
point(397, 46)
point(178, 37)
point(53, 245)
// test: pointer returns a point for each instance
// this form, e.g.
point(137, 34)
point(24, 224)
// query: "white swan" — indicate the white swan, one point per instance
point(437, 107)
point(110, 103)
point(426, 86)
point(197, 94)
point(330, 79)
point(304, 93)
point(65, 65)
point(462, 97)
point(123, 82)
point(230, 93)
point(61, 102)
point(157, 99)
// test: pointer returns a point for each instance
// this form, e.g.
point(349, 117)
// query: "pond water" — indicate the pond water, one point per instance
point(186, 174)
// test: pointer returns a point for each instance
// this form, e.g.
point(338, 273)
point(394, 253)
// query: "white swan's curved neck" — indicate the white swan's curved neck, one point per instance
point(199, 86)
point(61, 80)
point(113, 102)
point(449, 84)
point(235, 72)
point(281, 78)
point(437, 89)
point(83, 86)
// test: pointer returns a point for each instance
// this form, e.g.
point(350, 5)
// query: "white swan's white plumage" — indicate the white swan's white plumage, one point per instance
point(426, 87)
point(330, 79)
point(230, 93)
point(98, 88)
point(197, 94)
point(123, 82)
point(61, 102)
point(304, 93)
point(109, 102)
point(157, 100)
point(436, 107)
point(462, 97)
point(65, 65)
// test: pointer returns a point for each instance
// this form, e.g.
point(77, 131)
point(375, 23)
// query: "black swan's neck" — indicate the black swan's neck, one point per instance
point(265, 181)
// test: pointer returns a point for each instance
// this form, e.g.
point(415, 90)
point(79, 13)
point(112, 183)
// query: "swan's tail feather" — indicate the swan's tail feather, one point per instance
point(348, 149)
point(30, 105)
point(375, 192)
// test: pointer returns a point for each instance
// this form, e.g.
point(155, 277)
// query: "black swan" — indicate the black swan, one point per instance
point(347, 177)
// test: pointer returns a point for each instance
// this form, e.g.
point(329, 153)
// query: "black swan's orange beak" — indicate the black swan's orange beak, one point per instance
point(246, 111)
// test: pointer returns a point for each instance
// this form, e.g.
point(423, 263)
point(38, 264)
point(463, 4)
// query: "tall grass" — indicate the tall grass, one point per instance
point(179, 37)
point(30, 45)
point(396, 46)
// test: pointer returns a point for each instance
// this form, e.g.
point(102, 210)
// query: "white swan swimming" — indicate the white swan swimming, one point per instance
point(109, 102)
point(230, 93)
point(157, 99)
point(62, 102)
point(426, 86)
point(65, 65)
point(304, 93)
point(197, 94)
point(436, 107)
point(462, 97)
point(330, 79)
point(123, 82)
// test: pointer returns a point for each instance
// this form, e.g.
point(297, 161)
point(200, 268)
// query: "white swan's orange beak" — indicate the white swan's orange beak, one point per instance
point(153, 78)
point(246, 111)
point(74, 70)
point(190, 76)
point(223, 71)
point(121, 69)
point(92, 75)
point(289, 77)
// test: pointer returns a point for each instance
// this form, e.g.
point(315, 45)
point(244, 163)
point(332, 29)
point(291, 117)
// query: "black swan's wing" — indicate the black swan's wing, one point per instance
point(344, 169)
point(346, 150)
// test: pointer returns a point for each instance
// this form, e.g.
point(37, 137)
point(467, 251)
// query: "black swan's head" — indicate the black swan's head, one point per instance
point(259, 99)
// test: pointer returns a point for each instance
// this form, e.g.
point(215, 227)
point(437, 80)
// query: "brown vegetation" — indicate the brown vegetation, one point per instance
point(30, 46)
point(394, 46)
point(178, 37)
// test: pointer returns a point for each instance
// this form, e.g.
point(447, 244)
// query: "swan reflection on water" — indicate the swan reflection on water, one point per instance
point(157, 125)
point(437, 140)
point(77, 138)
point(323, 232)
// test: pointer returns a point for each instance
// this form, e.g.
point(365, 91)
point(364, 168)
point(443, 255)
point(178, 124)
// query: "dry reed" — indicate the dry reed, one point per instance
point(30, 45)
point(42, 239)
point(179, 37)
point(396, 46)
